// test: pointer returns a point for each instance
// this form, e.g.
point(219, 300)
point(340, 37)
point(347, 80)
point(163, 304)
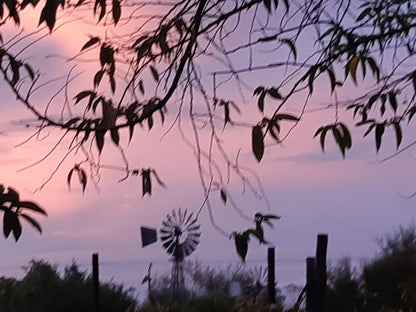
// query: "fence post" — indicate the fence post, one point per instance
point(310, 285)
point(271, 284)
point(95, 281)
point(321, 275)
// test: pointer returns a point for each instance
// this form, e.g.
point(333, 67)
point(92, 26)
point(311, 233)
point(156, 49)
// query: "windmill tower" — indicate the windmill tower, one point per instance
point(179, 235)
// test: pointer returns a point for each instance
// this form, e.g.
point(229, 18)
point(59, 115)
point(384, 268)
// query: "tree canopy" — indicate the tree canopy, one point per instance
point(200, 61)
point(43, 288)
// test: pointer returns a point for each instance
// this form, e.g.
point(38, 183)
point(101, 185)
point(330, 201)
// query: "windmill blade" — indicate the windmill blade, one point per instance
point(184, 216)
point(168, 243)
point(189, 218)
point(192, 246)
point(193, 228)
point(180, 217)
point(165, 237)
point(187, 248)
point(194, 234)
point(175, 218)
point(166, 231)
point(168, 221)
point(172, 247)
point(149, 236)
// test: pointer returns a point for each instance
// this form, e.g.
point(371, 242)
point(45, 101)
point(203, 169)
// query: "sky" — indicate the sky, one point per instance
point(354, 200)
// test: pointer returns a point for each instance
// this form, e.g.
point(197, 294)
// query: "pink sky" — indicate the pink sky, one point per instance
point(353, 200)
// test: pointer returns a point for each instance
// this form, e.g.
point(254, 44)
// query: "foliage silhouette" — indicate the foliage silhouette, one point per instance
point(44, 289)
point(386, 283)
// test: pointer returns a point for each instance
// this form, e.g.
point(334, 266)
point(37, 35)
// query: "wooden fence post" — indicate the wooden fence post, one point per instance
point(316, 277)
point(95, 281)
point(271, 284)
point(321, 275)
point(310, 285)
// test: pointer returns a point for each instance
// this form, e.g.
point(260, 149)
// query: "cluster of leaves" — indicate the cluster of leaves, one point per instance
point(15, 210)
point(146, 173)
point(44, 289)
point(242, 239)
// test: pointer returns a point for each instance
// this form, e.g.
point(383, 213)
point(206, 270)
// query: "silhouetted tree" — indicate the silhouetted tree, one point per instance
point(43, 289)
point(344, 292)
point(390, 280)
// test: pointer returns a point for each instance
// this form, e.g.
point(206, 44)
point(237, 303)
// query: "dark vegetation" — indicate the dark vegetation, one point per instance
point(386, 283)
point(43, 289)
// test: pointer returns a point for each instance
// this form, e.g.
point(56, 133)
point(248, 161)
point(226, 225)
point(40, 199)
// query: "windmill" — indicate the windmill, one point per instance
point(179, 235)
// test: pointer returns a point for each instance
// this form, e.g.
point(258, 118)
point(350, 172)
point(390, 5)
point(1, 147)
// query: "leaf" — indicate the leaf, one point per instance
point(268, 38)
point(223, 196)
point(48, 13)
point(11, 224)
point(13, 196)
point(398, 131)
point(82, 176)
point(291, 46)
point(146, 279)
point(363, 14)
point(352, 67)
point(332, 79)
point(258, 90)
point(346, 136)
point(393, 100)
point(146, 182)
point(311, 73)
point(271, 216)
point(99, 139)
point(30, 71)
point(411, 112)
point(102, 4)
point(413, 77)
point(274, 92)
point(158, 180)
point(379, 133)
point(98, 77)
point(32, 221)
point(339, 140)
point(131, 131)
point(322, 131)
point(17, 227)
point(83, 94)
point(141, 87)
point(115, 136)
point(258, 233)
point(268, 5)
point(112, 84)
point(116, 11)
point(32, 206)
point(7, 222)
point(155, 73)
point(260, 102)
point(90, 43)
point(150, 122)
point(374, 67)
point(257, 142)
point(286, 117)
point(106, 55)
point(241, 244)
